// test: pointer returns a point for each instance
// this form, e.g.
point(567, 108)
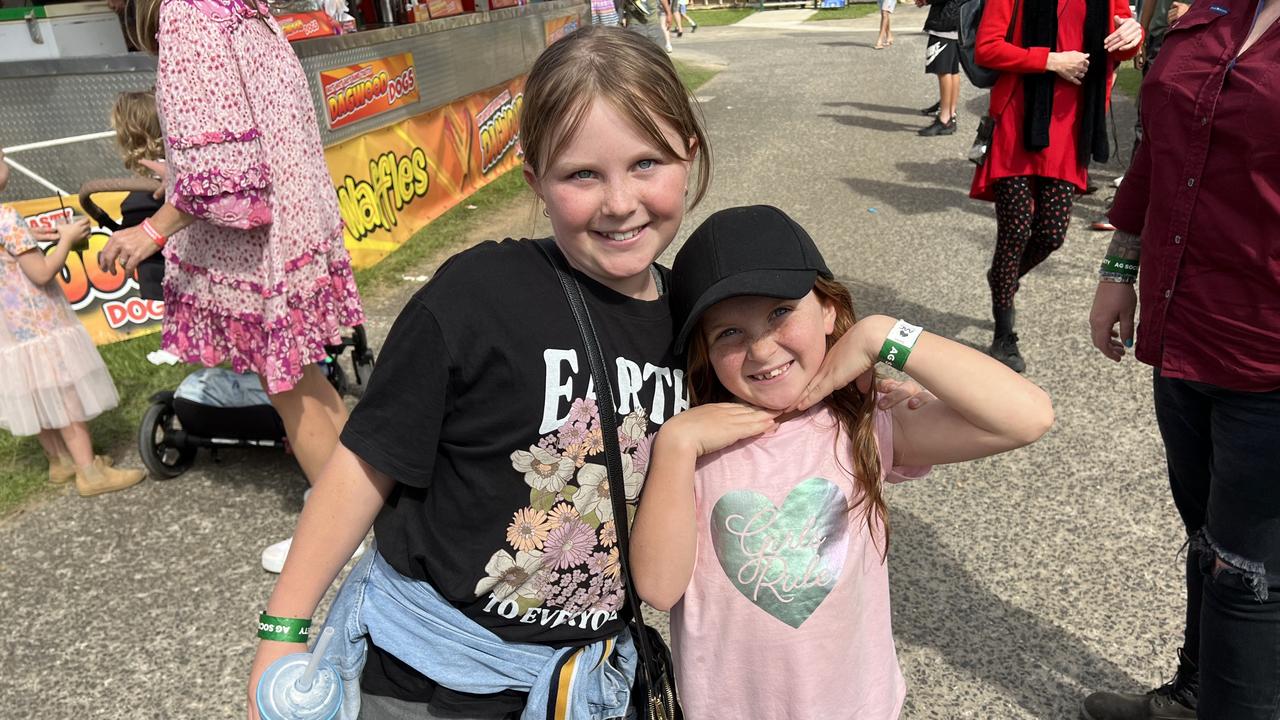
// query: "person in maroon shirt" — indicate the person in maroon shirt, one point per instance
point(1056, 59)
point(1198, 223)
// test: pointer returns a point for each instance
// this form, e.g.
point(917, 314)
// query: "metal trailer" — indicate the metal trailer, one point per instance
point(48, 102)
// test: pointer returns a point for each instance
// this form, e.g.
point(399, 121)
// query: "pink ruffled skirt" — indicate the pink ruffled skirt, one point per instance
point(53, 381)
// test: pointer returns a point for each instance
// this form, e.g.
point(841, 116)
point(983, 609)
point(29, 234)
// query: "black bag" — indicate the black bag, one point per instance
point(970, 18)
point(982, 140)
point(654, 693)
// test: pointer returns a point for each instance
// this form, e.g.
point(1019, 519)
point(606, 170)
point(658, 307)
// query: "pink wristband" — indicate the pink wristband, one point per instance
point(152, 233)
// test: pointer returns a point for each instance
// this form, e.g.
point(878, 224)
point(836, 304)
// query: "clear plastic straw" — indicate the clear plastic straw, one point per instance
point(309, 675)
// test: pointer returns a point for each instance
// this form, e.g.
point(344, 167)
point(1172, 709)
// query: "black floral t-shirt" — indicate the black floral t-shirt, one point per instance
point(483, 410)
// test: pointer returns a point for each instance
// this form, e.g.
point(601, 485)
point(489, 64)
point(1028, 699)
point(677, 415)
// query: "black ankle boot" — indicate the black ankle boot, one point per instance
point(1175, 700)
point(1004, 347)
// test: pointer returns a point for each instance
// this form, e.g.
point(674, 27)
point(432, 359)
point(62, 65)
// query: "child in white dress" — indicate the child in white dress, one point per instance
point(52, 379)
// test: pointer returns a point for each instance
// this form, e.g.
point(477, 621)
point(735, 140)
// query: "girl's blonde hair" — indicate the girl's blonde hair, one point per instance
point(853, 408)
point(626, 70)
point(137, 127)
point(142, 23)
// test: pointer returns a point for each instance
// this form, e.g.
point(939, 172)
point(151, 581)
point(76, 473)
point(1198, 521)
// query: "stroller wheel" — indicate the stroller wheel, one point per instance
point(164, 459)
point(336, 375)
point(361, 362)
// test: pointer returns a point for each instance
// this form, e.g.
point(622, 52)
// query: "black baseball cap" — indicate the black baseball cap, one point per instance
point(755, 250)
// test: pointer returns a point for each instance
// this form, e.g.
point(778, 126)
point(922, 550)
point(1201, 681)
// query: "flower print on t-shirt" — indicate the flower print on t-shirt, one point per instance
point(561, 550)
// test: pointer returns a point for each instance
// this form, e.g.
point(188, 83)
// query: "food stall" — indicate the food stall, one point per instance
point(414, 118)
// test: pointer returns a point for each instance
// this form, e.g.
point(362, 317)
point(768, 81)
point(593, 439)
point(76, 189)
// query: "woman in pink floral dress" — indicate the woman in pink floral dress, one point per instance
point(257, 275)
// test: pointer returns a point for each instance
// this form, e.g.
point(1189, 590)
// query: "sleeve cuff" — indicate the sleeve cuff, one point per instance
point(1038, 58)
point(903, 473)
point(237, 200)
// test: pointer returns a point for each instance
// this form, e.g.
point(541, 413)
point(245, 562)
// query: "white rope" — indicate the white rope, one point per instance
point(23, 169)
point(59, 141)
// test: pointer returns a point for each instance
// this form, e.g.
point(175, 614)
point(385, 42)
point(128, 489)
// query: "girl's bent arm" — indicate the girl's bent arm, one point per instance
point(337, 515)
point(984, 407)
point(664, 537)
point(41, 268)
point(341, 509)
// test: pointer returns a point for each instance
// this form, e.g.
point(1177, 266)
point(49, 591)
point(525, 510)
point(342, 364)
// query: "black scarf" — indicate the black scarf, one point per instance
point(1040, 29)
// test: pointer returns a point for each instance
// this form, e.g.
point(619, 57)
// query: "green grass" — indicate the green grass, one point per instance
point(442, 232)
point(851, 11)
point(22, 465)
point(1128, 80)
point(694, 76)
point(720, 16)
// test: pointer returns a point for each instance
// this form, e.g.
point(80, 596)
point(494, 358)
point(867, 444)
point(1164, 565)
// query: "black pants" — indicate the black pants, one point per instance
point(1223, 450)
point(1032, 214)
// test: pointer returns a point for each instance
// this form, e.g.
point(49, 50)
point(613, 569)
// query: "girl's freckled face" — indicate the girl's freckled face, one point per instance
point(614, 201)
point(765, 350)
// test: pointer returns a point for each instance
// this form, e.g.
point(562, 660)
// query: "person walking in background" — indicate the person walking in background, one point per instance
point(1196, 221)
point(52, 379)
point(665, 22)
point(257, 275)
point(942, 58)
point(1049, 106)
point(603, 12)
point(885, 38)
point(682, 12)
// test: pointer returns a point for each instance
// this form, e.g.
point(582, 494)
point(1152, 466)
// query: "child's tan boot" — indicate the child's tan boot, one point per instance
point(61, 470)
point(101, 478)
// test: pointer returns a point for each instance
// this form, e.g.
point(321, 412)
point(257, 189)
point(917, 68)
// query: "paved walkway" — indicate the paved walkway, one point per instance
point(1019, 582)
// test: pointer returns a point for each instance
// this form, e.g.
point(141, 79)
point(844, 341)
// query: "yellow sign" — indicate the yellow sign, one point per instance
point(391, 182)
point(106, 303)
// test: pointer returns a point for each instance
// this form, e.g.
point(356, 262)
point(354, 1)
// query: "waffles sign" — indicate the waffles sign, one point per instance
point(369, 88)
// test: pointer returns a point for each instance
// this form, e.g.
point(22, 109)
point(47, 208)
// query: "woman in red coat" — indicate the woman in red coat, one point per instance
point(1049, 107)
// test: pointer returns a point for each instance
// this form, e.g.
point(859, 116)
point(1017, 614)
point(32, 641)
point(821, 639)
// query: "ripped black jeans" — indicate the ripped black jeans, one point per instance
point(1223, 449)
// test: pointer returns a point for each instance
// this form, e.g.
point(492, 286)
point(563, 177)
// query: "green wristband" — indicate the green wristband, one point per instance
point(1120, 266)
point(897, 345)
point(283, 629)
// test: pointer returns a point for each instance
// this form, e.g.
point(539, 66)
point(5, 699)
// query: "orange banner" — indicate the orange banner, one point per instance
point(368, 88)
point(307, 25)
point(392, 181)
point(437, 9)
point(106, 303)
point(557, 28)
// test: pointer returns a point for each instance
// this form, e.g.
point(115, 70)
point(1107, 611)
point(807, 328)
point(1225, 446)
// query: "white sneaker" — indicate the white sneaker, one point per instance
point(273, 556)
point(669, 48)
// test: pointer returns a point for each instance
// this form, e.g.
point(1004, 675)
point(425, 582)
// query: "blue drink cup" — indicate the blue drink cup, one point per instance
point(301, 686)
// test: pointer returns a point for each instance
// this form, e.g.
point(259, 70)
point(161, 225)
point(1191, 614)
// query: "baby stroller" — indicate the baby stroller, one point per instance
point(211, 408)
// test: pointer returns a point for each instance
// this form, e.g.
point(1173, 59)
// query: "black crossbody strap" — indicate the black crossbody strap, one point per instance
point(609, 434)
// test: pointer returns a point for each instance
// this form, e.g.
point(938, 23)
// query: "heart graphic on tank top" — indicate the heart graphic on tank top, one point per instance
point(784, 560)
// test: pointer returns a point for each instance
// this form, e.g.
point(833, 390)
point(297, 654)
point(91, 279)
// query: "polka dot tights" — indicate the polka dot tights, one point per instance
point(1032, 214)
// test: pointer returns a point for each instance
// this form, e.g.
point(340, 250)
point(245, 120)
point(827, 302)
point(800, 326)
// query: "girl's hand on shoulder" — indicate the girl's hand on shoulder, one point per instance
point(851, 359)
point(892, 393)
point(715, 426)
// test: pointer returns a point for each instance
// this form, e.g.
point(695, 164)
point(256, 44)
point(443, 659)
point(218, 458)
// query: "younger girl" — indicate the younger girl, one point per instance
point(52, 380)
point(476, 453)
point(138, 137)
point(771, 550)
